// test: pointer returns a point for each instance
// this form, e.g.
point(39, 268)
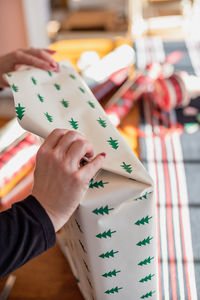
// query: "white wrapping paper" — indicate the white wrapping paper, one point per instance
point(111, 238)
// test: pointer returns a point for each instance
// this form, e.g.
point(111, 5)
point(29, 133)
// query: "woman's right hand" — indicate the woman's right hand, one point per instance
point(60, 182)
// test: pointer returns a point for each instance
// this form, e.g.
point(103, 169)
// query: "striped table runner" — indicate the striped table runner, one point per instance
point(172, 157)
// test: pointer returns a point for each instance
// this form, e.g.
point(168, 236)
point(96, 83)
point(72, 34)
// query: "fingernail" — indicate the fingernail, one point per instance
point(103, 154)
point(54, 64)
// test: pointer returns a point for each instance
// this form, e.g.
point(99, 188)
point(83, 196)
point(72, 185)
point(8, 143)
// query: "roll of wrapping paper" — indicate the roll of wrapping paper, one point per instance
point(106, 89)
point(123, 100)
point(167, 93)
point(16, 162)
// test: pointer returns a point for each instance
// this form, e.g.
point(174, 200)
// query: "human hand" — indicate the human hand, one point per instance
point(60, 183)
point(39, 58)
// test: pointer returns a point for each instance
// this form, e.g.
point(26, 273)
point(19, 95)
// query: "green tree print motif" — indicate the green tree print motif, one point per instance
point(97, 184)
point(40, 98)
point(82, 90)
point(113, 143)
point(143, 221)
point(150, 294)
point(82, 246)
point(147, 278)
point(64, 103)
point(15, 88)
point(9, 75)
point(77, 279)
point(49, 118)
point(50, 73)
point(102, 122)
point(74, 123)
point(143, 196)
point(145, 261)
point(126, 167)
point(91, 104)
point(20, 110)
point(111, 273)
point(57, 86)
point(34, 81)
point(105, 234)
point(108, 254)
point(114, 290)
point(145, 241)
point(78, 225)
point(102, 210)
point(72, 76)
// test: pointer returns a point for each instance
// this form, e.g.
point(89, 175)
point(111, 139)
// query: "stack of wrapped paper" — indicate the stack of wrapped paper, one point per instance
point(111, 238)
point(17, 157)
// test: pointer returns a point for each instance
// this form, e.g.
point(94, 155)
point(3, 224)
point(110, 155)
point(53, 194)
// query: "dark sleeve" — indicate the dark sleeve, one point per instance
point(25, 231)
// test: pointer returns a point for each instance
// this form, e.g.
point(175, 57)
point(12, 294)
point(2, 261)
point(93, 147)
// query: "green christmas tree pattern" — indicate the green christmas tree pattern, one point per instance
point(91, 104)
point(145, 261)
point(57, 86)
point(82, 246)
point(145, 241)
point(9, 75)
point(77, 279)
point(105, 234)
point(147, 295)
point(20, 110)
point(97, 184)
point(72, 76)
point(113, 290)
point(78, 225)
point(143, 221)
point(147, 278)
point(86, 266)
point(64, 103)
point(111, 273)
point(15, 88)
point(40, 98)
point(113, 143)
point(34, 81)
point(82, 90)
point(102, 122)
point(49, 73)
point(102, 210)
point(143, 196)
point(49, 118)
point(74, 123)
point(126, 167)
point(108, 254)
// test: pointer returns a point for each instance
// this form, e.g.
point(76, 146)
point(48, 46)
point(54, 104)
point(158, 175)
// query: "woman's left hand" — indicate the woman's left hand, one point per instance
point(39, 58)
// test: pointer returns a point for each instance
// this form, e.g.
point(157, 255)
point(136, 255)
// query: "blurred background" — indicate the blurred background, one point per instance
point(141, 59)
point(41, 22)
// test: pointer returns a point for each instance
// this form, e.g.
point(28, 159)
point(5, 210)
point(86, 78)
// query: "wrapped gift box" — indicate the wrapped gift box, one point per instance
point(110, 240)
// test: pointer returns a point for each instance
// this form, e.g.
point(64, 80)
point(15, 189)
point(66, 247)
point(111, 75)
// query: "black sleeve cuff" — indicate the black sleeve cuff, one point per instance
point(31, 203)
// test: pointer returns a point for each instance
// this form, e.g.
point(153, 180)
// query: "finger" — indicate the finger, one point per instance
point(77, 151)
point(50, 51)
point(66, 140)
point(91, 168)
point(30, 60)
point(54, 137)
point(40, 53)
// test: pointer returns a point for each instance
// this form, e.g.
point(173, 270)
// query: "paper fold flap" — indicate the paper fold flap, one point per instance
point(45, 100)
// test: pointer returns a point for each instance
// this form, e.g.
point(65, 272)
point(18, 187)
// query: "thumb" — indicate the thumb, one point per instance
point(91, 168)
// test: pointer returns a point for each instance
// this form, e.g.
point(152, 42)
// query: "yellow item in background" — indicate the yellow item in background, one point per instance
point(72, 49)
